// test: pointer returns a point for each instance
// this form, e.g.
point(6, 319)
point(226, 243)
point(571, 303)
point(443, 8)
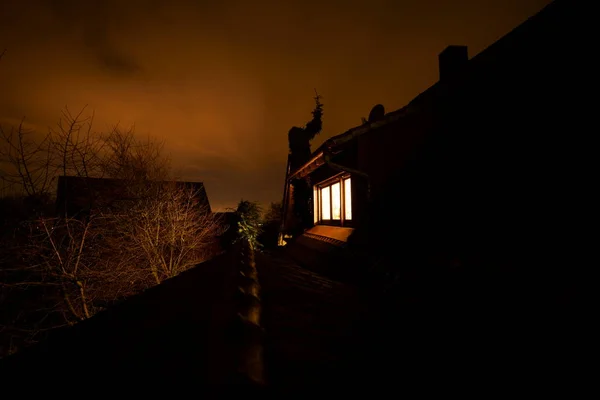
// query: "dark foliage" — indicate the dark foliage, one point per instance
point(247, 223)
point(300, 152)
point(270, 226)
point(299, 138)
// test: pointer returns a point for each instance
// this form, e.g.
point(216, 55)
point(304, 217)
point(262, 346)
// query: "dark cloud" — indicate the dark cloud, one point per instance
point(117, 63)
point(99, 24)
point(222, 82)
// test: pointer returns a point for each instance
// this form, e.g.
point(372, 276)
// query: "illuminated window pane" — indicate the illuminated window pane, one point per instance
point(336, 201)
point(325, 204)
point(315, 205)
point(347, 199)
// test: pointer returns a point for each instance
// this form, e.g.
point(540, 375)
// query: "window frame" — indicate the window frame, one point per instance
point(317, 203)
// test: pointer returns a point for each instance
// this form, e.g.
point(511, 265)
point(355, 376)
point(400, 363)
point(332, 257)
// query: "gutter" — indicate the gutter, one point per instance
point(310, 163)
point(325, 151)
point(329, 145)
point(324, 157)
point(343, 168)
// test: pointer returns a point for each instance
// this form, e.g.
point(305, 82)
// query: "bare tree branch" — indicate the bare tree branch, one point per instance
point(152, 230)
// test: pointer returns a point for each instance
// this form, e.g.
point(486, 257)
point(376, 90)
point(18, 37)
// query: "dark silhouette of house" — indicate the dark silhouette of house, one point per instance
point(76, 195)
point(488, 165)
point(461, 213)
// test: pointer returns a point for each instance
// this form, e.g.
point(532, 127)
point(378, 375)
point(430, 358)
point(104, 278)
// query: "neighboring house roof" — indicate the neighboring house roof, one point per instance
point(75, 194)
point(485, 59)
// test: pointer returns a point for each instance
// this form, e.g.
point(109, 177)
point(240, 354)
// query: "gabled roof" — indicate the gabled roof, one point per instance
point(75, 193)
point(548, 17)
point(334, 144)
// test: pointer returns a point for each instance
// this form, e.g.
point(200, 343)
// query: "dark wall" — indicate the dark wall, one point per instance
point(491, 168)
point(178, 331)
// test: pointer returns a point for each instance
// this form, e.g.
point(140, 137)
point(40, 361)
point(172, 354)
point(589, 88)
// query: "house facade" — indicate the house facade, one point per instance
point(488, 149)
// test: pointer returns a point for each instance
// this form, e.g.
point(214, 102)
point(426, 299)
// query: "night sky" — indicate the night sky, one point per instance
point(222, 82)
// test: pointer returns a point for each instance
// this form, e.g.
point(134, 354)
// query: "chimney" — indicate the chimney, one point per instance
point(452, 60)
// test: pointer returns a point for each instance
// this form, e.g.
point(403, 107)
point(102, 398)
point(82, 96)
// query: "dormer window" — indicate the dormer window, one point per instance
point(333, 201)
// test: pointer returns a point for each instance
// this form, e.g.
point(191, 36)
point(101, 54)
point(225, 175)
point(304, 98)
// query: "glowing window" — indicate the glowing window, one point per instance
point(315, 205)
point(333, 201)
point(336, 201)
point(325, 203)
point(347, 199)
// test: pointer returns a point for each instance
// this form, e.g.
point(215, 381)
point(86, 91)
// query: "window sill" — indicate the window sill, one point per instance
point(332, 232)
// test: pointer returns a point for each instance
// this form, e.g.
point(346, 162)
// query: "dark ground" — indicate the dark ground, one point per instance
point(325, 333)
point(321, 334)
point(311, 324)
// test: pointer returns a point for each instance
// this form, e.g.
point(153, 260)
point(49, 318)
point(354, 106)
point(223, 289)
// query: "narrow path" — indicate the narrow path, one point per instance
point(310, 322)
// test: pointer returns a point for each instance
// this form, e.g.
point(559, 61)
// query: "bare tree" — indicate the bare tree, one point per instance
point(26, 163)
point(82, 263)
point(31, 161)
point(168, 232)
point(129, 158)
point(59, 255)
point(75, 149)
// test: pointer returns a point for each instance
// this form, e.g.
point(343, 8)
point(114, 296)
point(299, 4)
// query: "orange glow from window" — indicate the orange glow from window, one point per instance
point(333, 202)
point(336, 201)
point(347, 199)
point(315, 205)
point(325, 203)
